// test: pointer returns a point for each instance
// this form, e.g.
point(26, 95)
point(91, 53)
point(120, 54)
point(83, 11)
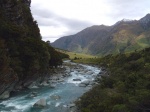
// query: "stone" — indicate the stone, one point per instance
point(40, 103)
point(82, 85)
point(44, 84)
point(87, 82)
point(76, 79)
point(61, 80)
point(33, 86)
point(54, 78)
point(52, 86)
point(71, 105)
point(89, 73)
point(55, 97)
point(5, 95)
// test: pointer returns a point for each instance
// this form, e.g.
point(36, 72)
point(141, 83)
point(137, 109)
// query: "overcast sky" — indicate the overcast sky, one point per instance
point(57, 18)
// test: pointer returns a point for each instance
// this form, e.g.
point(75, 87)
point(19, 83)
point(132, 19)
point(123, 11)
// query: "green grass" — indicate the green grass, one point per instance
point(72, 55)
point(88, 61)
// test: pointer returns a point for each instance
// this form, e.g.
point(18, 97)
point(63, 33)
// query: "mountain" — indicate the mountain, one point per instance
point(24, 57)
point(124, 36)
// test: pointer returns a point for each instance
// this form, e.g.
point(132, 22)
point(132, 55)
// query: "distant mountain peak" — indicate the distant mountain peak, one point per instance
point(126, 20)
point(124, 36)
point(145, 21)
point(146, 18)
point(123, 21)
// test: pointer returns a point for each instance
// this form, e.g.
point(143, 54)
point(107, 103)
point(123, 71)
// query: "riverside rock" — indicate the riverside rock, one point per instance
point(76, 79)
point(5, 95)
point(55, 97)
point(87, 82)
point(82, 85)
point(44, 84)
point(40, 103)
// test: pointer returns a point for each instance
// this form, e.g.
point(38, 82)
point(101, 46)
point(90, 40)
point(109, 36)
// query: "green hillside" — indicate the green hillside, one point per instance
point(125, 87)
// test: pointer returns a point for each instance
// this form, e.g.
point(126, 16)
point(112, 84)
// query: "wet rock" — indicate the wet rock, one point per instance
point(52, 85)
point(33, 86)
point(89, 73)
point(71, 105)
point(55, 97)
point(89, 86)
point(76, 79)
point(52, 81)
point(82, 85)
point(54, 78)
point(33, 94)
point(5, 95)
point(44, 84)
point(87, 82)
point(40, 103)
point(61, 80)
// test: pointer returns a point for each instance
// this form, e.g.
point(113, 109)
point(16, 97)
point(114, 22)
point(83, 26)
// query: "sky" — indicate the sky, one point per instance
point(58, 18)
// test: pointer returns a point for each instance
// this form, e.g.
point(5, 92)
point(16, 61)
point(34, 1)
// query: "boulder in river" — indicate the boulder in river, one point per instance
point(87, 82)
point(40, 103)
point(33, 94)
point(76, 79)
point(44, 84)
point(82, 85)
point(5, 95)
point(52, 85)
point(55, 97)
point(71, 105)
point(89, 73)
point(33, 86)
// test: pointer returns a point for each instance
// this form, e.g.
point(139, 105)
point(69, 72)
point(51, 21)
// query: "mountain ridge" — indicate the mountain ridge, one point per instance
point(123, 36)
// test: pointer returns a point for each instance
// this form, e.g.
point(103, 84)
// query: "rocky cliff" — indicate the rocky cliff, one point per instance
point(24, 57)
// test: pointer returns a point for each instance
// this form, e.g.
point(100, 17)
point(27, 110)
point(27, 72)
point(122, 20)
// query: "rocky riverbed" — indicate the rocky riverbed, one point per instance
point(56, 93)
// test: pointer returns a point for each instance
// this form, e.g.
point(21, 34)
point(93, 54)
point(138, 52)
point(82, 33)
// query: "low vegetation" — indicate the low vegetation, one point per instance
point(125, 87)
point(22, 52)
point(75, 56)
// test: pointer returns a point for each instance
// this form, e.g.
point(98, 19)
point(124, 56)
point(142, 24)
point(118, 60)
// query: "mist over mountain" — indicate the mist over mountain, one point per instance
point(124, 36)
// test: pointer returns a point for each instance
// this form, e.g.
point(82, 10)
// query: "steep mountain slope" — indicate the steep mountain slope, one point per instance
point(24, 57)
point(124, 36)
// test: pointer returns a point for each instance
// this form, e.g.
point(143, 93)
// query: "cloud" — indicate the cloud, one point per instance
point(57, 18)
point(129, 9)
point(50, 23)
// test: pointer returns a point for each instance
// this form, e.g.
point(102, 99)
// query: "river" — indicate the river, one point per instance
point(59, 98)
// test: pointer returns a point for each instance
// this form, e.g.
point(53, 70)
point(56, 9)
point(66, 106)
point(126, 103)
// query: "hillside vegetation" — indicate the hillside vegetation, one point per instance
point(125, 87)
point(24, 57)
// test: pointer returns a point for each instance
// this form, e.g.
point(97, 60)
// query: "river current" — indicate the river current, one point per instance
point(57, 98)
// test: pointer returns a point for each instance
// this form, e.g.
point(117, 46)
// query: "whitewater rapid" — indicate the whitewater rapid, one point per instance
point(68, 91)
